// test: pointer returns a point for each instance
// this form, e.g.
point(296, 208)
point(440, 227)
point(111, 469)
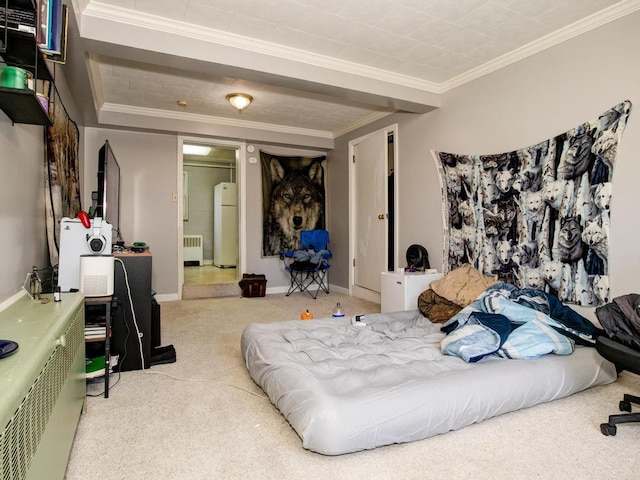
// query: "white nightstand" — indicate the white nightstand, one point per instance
point(400, 291)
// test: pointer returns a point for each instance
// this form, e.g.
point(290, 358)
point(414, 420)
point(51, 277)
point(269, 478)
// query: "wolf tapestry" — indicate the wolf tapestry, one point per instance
point(293, 194)
point(539, 216)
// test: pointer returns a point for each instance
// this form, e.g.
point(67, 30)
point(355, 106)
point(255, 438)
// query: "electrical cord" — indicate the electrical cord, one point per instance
point(133, 314)
point(205, 380)
point(146, 370)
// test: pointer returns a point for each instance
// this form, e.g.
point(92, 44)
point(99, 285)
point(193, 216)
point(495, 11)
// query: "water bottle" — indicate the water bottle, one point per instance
point(338, 311)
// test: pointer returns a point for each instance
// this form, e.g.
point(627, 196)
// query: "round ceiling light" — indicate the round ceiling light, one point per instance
point(239, 101)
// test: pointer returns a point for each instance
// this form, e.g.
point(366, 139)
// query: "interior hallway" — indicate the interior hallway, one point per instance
point(209, 281)
point(209, 274)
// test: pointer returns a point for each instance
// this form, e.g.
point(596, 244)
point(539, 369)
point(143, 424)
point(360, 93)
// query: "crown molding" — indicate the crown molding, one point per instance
point(133, 18)
point(208, 119)
point(586, 24)
point(361, 123)
point(95, 80)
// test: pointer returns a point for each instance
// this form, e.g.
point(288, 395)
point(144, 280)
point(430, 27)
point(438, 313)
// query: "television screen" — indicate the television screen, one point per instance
point(108, 201)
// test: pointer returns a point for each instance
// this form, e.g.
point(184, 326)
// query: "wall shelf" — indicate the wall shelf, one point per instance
point(23, 106)
point(20, 49)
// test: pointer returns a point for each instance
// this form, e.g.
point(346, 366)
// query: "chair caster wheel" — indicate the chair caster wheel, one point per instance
point(608, 430)
point(625, 406)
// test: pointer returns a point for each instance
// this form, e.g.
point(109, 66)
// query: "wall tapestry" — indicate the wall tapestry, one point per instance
point(539, 216)
point(62, 184)
point(293, 199)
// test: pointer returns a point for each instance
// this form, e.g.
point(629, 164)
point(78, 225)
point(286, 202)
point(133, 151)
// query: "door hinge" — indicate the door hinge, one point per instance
point(354, 262)
point(354, 159)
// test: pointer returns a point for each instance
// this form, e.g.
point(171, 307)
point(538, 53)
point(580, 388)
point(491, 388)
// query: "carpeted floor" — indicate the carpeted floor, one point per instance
point(206, 419)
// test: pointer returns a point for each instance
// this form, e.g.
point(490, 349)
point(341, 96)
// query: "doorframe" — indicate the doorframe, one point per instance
point(241, 177)
point(355, 290)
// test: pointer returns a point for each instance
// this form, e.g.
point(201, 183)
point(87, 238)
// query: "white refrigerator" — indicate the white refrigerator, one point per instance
point(225, 225)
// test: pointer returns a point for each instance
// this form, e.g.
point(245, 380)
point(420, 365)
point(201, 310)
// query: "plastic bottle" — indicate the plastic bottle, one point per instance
point(306, 315)
point(338, 311)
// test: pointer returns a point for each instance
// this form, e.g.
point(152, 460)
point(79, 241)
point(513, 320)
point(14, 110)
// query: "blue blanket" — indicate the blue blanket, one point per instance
point(515, 323)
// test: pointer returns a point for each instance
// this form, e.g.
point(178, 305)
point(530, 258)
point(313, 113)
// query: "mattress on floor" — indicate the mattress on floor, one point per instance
point(345, 388)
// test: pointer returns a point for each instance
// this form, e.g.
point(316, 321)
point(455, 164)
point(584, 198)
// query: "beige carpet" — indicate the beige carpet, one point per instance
point(157, 427)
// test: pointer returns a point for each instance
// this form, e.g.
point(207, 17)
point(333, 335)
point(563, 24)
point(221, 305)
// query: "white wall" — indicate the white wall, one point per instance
point(523, 104)
point(272, 267)
point(149, 177)
point(22, 219)
point(23, 238)
point(148, 180)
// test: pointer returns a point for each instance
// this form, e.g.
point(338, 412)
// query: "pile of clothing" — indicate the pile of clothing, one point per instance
point(621, 320)
point(516, 323)
point(309, 259)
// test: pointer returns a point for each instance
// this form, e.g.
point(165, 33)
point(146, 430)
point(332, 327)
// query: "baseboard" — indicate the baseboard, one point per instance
point(166, 297)
point(170, 297)
point(337, 289)
point(12, 299)
point(365, 294)
point(272, 290)
point(285, 289)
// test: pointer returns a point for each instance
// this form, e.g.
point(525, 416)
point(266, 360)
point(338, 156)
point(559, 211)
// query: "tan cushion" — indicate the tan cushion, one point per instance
point(462, 285)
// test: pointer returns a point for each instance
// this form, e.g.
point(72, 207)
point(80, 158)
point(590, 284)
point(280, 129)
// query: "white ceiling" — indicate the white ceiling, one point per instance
point(315, 68)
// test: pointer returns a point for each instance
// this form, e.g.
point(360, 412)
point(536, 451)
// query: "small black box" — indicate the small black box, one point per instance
point(253, 284)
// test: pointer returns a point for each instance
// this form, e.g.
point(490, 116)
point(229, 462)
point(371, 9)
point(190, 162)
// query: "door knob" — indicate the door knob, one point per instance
point(381, 217)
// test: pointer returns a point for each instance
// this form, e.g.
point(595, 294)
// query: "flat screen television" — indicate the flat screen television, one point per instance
point(108, 201)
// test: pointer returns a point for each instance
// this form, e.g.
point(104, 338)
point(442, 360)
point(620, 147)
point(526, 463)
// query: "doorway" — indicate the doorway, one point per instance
point(372, 227)
point(210, 217)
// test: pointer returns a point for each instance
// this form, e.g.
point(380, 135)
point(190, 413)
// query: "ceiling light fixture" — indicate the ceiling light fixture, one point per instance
point(195, 150)
point(239, 101)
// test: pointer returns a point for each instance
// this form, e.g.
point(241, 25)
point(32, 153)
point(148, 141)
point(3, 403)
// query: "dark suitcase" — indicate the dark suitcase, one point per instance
point(253, 285)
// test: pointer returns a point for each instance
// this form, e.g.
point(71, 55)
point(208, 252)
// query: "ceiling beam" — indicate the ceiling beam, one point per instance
point(136, 36)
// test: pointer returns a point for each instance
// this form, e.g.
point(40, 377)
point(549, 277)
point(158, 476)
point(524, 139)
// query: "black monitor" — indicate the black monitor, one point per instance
point(108, 201)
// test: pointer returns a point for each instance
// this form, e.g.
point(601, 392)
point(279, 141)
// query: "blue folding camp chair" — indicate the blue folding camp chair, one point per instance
point(308, 265)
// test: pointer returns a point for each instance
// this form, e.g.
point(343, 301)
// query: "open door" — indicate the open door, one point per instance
point(372, 204)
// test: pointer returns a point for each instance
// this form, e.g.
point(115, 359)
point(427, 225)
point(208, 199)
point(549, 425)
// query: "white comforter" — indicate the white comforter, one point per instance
point(345, 388)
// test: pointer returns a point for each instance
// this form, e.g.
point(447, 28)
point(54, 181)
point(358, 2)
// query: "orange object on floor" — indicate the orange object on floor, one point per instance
point(307, 315)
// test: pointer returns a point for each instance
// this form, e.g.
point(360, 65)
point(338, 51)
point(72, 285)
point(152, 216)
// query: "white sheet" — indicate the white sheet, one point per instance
point(345, 388)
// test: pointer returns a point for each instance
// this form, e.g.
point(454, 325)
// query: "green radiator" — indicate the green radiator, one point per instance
point(42, 386)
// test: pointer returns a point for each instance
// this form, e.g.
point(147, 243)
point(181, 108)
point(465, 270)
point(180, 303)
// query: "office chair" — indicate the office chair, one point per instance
point(308, 265)
point(624, 358)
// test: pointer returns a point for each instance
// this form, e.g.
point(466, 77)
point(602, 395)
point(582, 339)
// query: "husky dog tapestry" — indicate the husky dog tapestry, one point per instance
point(539, 216)
point(293, 193)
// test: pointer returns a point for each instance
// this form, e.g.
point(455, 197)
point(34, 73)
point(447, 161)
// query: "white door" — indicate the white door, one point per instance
point(369, 210)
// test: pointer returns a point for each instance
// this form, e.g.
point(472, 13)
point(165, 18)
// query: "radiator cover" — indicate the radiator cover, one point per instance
point(46, 386)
